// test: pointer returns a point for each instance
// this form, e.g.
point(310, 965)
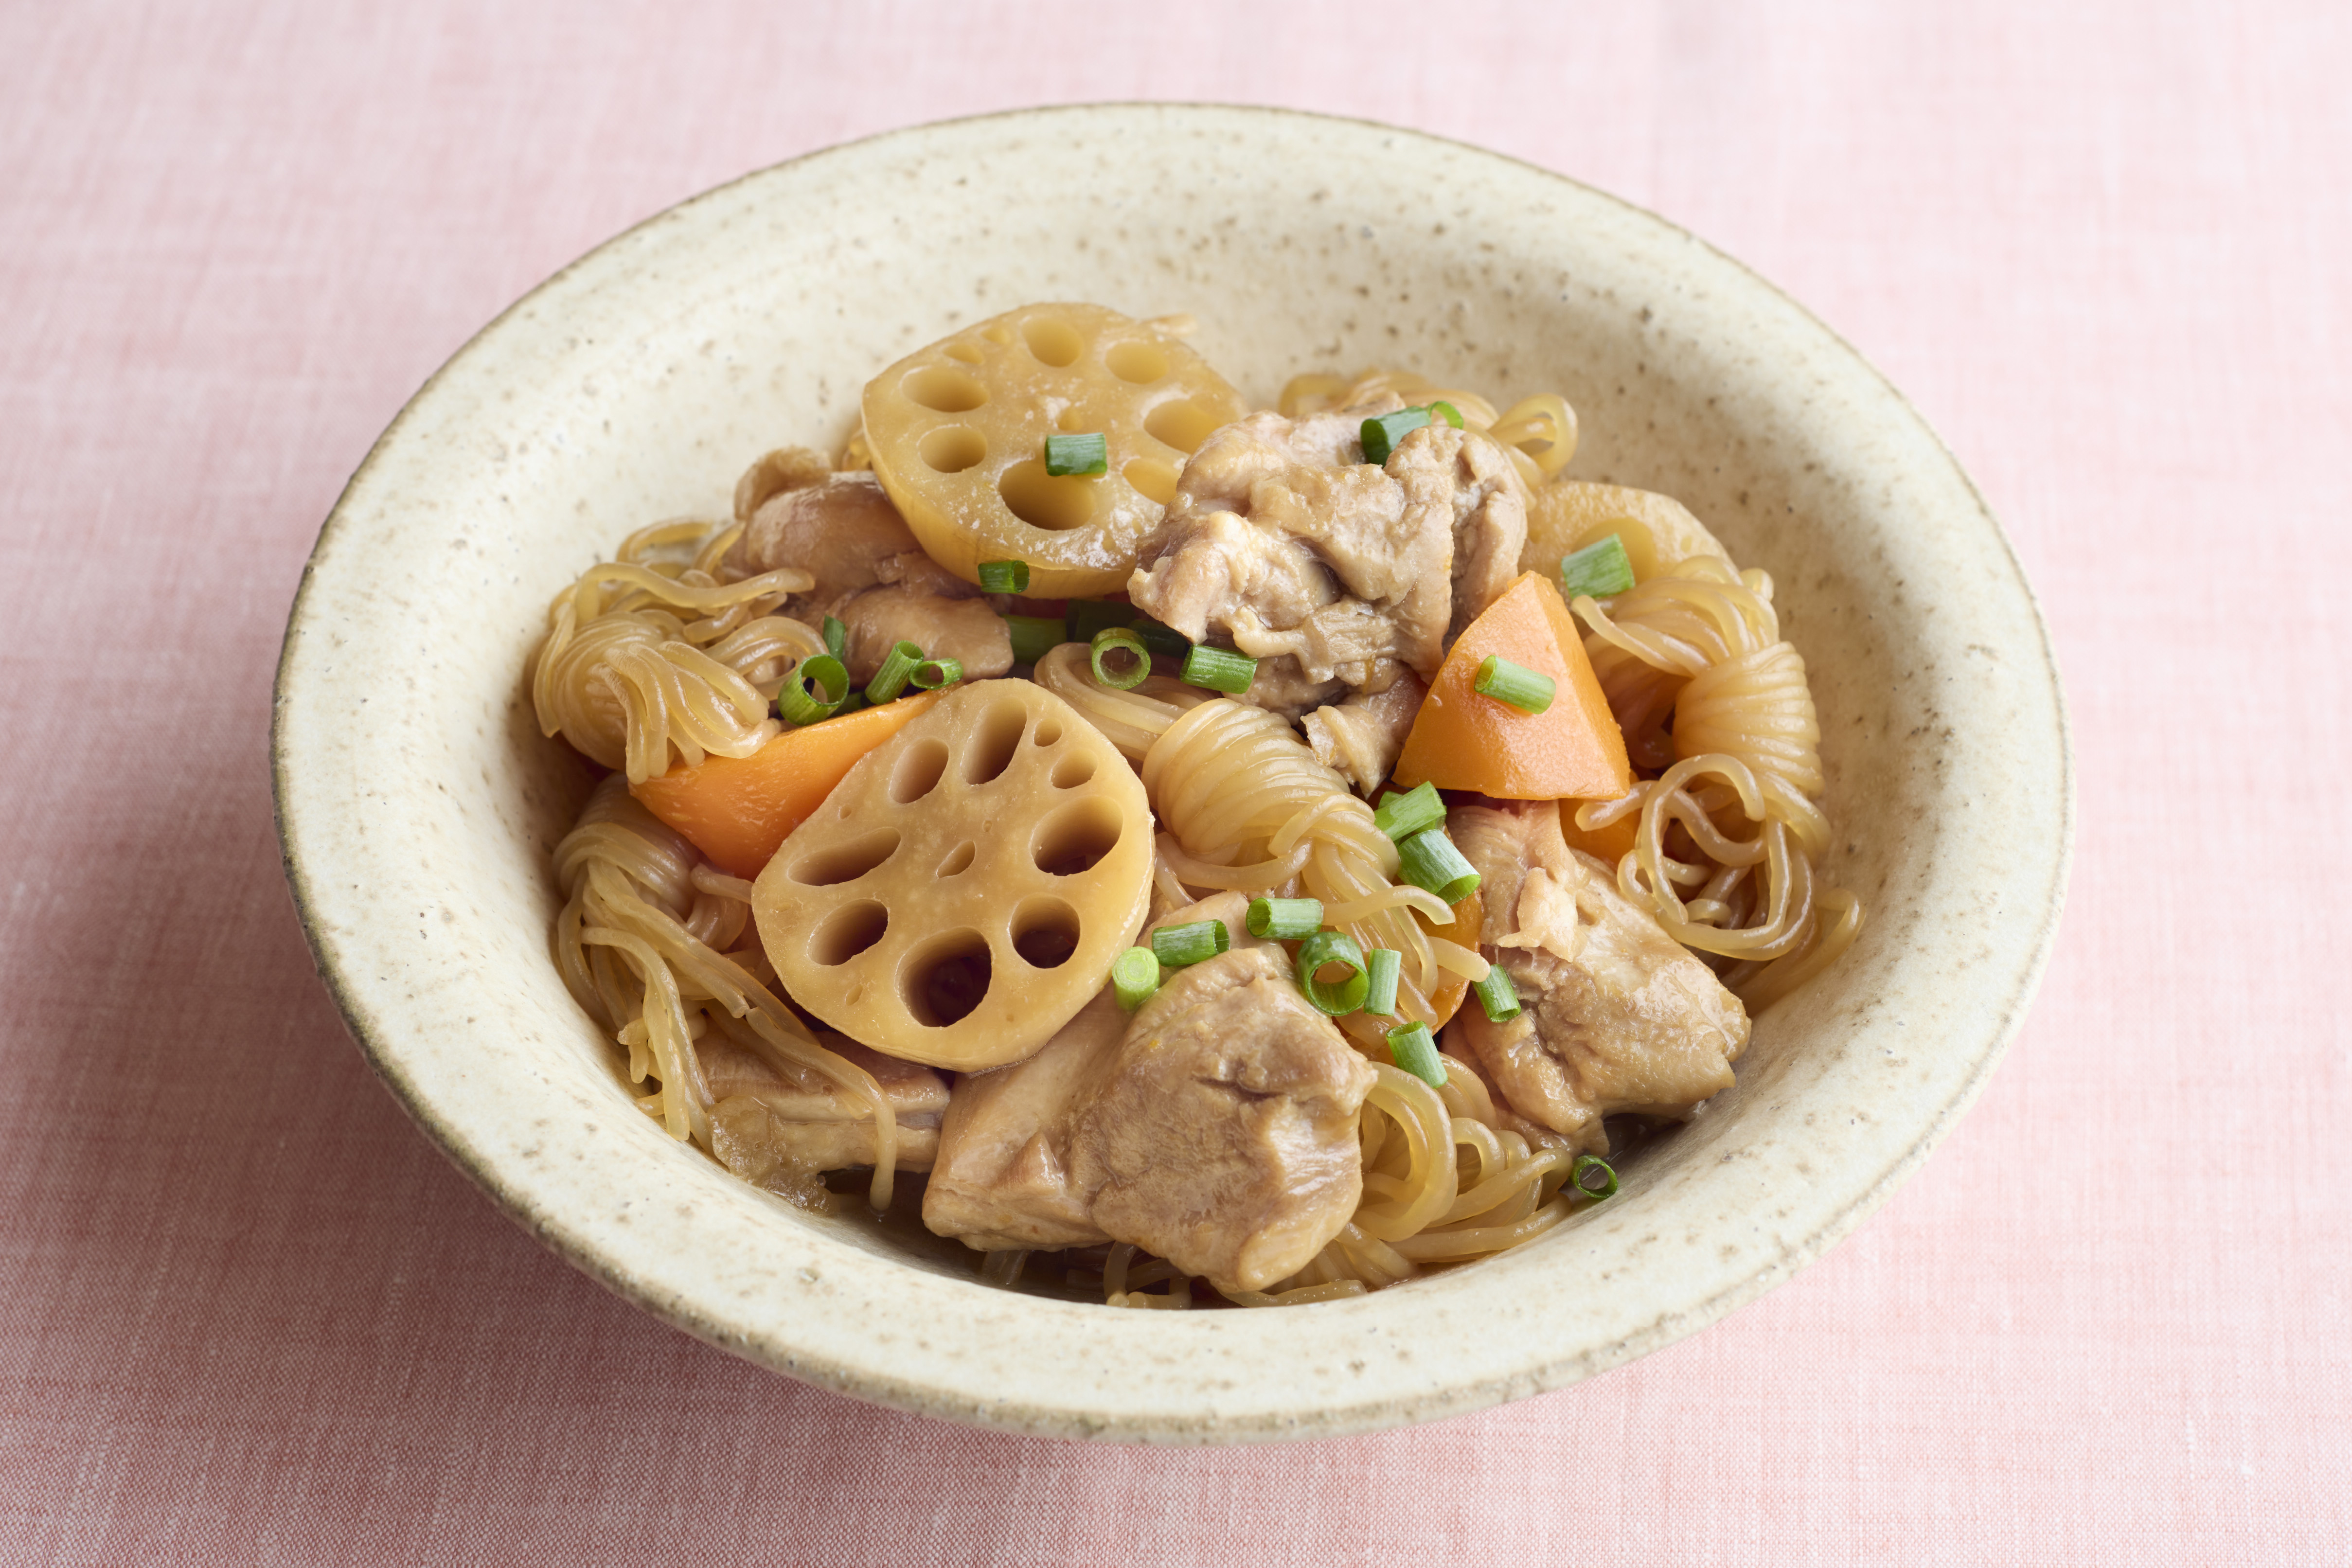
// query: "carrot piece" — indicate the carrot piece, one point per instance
point(737, 810)
point(1461, 740)
point(1610, 843)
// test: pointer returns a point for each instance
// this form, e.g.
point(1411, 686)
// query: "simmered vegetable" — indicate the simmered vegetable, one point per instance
point(737, 810)
point(1463, 739)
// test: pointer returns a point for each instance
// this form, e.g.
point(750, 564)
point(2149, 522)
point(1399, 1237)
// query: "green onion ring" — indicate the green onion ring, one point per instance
point(1585, 1165)
point(934, 673)
point(1430, 861)
point(796, 707)
point(1178, 946)
point(891, 679)
point(1118, 640)
point(1381, 967)
point(1403, 816)
point(1498, 996)
point(1004, 577)
point(1514, 684)
point(1134, 976)
point(1413, 1049)
point(1327, 947)
point(1285, 919)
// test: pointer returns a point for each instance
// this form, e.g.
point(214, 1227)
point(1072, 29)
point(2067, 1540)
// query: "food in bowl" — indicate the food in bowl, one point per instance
point(1250, 852)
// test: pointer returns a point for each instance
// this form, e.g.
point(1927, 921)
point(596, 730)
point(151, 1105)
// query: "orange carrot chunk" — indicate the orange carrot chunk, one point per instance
point(737, 810)
point(1610, 843)
point(1462, 739)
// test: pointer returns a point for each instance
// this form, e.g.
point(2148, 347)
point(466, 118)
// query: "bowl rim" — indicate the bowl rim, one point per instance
point(879, 1384)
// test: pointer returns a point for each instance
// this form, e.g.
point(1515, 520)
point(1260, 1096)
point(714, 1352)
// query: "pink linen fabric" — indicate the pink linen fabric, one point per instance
point(247, 1314)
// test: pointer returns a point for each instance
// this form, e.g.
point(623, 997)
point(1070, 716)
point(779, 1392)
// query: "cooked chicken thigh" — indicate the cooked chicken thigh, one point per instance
point(871, 573)
point(1325, 568)
point(1615, 1015)
point(777, 1131)
point(1217, 1129)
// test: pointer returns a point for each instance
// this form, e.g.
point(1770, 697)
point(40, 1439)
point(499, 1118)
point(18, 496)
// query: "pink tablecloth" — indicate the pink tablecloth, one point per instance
point(247, 1314)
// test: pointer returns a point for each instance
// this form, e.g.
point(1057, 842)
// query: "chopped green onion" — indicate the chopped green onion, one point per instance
point(1381, 435)
point(1004, 577)
point(1176, 946)
point(1219, 669)
point(1328, 947)
point(1403, 816)
point(1600, 570)
point(1161, 638)
point(934, 673)
point(837, 638)
point(1285, 919)
point(1430, 862)
point(1119, 640)
point(1134, 976)
point(851, 704)
point(1498, 996)
point(1514, 684)
point(1033, 637)
point(1087, 616)
point(796, 706)
point(1088, 454)
point(891, 679)
point(1416, 1052)
point(1585, 1165)
point(1447, 412)
point(1381, 966)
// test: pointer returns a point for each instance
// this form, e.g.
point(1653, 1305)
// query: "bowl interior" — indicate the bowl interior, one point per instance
point(418, 802)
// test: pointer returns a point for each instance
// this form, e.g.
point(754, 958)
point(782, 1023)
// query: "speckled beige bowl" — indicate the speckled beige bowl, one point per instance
point(417, 801)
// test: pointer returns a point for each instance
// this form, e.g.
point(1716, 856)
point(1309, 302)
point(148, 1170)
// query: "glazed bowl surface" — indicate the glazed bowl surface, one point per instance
point(418, 803)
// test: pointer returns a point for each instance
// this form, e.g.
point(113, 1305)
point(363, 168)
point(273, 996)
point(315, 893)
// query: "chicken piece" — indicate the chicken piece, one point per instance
point(1217, 1129)
point(777, 1129)
point(1615, 1014)
point(1283, 538)
point(965, 630)
point(871, 573)
point(1359, 739)
point(1002, 1180)
point(1469, 481)
point(1223, 1137)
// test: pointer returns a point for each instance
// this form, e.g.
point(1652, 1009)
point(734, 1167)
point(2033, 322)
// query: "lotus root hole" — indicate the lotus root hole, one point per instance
point(1057, 344)
point(943, 390)
point(1140, 363)
point(1074, 770)
point(994, 738)
point(1055, 502)
point(918, 770)
point(1151, 479)
point(944, 979)
point(848, 931)
point(1044, 933)
point(837, 863)
point(1179, 423)
point(1075, 838)
point(952, 448)
point(1048, 731)
point(968, 353)
point(959, 861)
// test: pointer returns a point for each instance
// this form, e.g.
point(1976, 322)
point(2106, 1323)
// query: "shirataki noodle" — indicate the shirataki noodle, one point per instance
point(629, 681)
point(1703, 686)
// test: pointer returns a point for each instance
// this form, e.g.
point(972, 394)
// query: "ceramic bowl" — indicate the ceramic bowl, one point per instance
point(418, 803)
